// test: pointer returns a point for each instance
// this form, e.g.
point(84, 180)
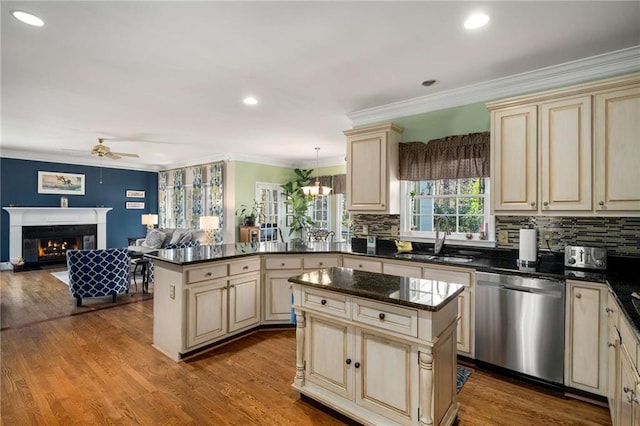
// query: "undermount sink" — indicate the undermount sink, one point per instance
point(450, 259)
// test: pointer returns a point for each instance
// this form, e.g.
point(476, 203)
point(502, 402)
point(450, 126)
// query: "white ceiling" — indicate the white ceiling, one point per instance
point(166, 80)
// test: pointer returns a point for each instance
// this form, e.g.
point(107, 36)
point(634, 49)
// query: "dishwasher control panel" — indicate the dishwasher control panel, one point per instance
point(584, 257)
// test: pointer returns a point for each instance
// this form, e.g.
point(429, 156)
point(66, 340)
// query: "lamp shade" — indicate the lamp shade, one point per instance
point(149, 219)
point(209, 222)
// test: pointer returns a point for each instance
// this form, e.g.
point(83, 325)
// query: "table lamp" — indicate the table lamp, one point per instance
point(149, 220)
point(209, 224)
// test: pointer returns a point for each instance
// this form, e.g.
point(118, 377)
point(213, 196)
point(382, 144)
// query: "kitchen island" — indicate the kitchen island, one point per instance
point(378, 348)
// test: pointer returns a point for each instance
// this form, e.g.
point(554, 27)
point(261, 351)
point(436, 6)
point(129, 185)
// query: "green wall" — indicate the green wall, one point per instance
point(445, 122)
point(331, 170)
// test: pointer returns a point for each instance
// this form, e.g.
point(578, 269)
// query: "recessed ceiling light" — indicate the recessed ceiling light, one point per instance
point(428, 83)
point(27, 18)
point(250, 100)
point(476, 20)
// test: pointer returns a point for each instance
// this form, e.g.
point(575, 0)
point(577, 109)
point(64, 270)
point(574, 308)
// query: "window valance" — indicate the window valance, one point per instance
point(451, 157)
point(337, 183)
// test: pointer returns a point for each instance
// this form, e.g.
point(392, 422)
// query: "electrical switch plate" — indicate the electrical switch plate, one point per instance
point(547, 235)
point(503, 236)
point(394, 231)
point(172, 291)
point(365, 229)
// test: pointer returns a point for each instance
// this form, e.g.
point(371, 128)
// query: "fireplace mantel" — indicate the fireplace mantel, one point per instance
point(39, 216)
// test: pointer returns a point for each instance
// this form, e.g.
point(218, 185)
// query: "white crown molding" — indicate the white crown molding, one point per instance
point(65, 159)
point(579, 71)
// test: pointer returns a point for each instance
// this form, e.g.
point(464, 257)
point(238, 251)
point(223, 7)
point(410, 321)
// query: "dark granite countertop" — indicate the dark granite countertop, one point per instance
point(620, 275)
point(413, 292)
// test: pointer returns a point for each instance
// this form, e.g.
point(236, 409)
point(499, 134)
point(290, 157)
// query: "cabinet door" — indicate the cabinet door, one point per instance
point(244, 301)
point(206, 312)
point(617, 150)
point(565, 154)
point(329, 356)
point(586, 355)
point(372, 169)
point(627, 391)
point(613, 354)
point(277, 296)
point(383, 369)
point(463, 331)
point(514, 158)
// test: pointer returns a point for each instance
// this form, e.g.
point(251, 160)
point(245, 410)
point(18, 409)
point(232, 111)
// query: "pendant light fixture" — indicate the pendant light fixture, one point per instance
point(316, 190)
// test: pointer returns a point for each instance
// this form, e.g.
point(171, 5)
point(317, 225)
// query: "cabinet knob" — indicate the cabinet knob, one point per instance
point(601, 203)
point(360, 266)
point(282, 264)
point(348, 361)
point(626, 389)
point(611, 345)
point(546, 204)
point(321, 263)
point(609, 310)
point(533, 204)
point(323, 302)
point(245, 267)
point(208, 274)
point(578, 296)
point(356, 365)
point(381, 316)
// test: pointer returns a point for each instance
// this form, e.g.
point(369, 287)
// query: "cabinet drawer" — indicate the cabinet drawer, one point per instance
point(242, 266)
point(362, 264)
point(629, 341)
point(209, 272)
point(457, 276)
point(326, 302)
point(386, 317)
point(402, 270)
point(318, 262)
point(283, 262)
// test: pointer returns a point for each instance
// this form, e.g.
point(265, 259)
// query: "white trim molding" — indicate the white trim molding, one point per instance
point(609, 64)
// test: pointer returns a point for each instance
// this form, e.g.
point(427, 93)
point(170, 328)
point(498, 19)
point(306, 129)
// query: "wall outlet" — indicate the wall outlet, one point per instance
point(503, 236)
point(547, 236)
point(172, 291)
point(365, 229)
point(394, 230)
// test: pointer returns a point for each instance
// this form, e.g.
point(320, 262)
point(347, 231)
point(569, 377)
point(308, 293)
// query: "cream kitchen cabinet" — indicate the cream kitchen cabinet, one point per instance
point(543, 150)
point(345, 342)
point(372, 169)
point(617, 150)
point(625, 407)
point(586, 350)
point(612, 313)
point(278, 269)
point(360, 263)
point(201, 304)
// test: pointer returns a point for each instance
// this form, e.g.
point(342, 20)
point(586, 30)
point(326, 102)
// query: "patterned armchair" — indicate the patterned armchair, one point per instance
point(95, 273)
point(188, 244)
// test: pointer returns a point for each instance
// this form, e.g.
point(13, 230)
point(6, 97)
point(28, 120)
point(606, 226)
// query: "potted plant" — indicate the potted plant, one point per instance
point(295, 198)
point(249, 215)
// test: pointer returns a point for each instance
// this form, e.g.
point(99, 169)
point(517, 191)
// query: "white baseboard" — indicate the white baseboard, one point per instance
point(5, 266)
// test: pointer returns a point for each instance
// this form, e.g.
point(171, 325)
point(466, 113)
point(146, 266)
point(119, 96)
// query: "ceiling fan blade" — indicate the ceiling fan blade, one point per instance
point(112, 155)
point(125, 154)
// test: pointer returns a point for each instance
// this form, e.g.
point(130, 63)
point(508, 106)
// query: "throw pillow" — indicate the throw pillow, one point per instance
point(177, 236)
point(186, 237)
point(154, 239)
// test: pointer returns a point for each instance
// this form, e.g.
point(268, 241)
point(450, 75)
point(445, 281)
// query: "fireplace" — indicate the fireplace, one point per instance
point(45, 245)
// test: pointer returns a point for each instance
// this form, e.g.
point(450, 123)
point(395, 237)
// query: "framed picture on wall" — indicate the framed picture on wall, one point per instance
point(132, 193)
point(134, 205)
point(60, 183)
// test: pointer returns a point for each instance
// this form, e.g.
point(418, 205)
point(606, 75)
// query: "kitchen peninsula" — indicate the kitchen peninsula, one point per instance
point(378, 348)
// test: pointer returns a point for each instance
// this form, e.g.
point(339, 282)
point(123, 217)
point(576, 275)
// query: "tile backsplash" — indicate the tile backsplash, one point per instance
point(619, 235)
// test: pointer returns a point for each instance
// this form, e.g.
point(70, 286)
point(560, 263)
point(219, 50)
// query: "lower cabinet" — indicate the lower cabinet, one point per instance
point(244, 301)
point(382, 374)
point(207, 312)
point(628, 392)
point(586, 351)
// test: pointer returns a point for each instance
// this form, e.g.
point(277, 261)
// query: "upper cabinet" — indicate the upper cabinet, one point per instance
point(570, 151)
point(617, 149)
point(372, 169)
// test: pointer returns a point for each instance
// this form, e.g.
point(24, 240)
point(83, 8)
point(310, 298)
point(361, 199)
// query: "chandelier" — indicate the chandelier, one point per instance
point(316, 189)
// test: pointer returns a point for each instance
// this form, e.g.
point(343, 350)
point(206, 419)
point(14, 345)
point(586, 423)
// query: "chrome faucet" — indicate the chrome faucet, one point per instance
point(441, 224)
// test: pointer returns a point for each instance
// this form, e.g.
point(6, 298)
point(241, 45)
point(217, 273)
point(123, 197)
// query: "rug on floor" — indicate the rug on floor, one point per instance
point(62, 276)
point(463, 375)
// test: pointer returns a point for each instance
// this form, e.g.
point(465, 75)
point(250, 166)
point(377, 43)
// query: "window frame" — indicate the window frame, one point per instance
point(429, 236)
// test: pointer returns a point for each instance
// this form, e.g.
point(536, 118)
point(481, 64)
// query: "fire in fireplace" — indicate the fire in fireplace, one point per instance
point(48, 244)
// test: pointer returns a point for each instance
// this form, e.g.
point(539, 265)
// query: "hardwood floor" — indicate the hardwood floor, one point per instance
point(62, 367)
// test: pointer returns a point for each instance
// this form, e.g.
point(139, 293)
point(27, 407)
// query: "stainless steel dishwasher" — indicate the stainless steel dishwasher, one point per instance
point(519, 324)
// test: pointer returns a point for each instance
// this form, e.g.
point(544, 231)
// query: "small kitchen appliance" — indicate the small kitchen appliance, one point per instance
point(584, 257)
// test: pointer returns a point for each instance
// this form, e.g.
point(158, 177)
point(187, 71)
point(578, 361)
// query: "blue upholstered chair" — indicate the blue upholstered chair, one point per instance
point(188, 244)
point(95, 273)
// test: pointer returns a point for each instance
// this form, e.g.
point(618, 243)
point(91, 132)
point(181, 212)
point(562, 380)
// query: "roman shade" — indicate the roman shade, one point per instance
point(451, 157)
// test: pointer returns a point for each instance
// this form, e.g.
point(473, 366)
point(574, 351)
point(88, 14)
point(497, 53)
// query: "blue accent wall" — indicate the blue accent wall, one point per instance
point(19, 187)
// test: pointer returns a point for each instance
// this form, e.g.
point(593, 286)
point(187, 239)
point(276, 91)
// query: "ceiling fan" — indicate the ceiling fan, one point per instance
point(102, 150)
